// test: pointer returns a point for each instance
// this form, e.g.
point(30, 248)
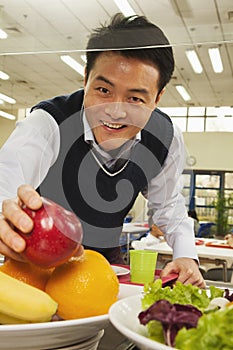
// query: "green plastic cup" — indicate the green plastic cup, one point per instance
point(142, 266)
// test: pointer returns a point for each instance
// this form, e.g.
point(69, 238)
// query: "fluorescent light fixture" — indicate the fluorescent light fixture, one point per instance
point(194, 61)
point(183, 92)
point(4, 76)
point(216, 60)
point(84, 58)
point(7, 99)
point(3, 35)
point(125, 7)
point(73, 64)
point(1, 102)
point(7, 115)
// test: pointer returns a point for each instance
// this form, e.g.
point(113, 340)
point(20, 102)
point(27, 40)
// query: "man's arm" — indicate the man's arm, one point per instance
point(170, 214)
point(28, 153)
point(167, 204)
point(24, 158)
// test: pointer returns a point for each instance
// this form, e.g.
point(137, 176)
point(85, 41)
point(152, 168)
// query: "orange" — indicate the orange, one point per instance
point(83, 287)
point(27, 273)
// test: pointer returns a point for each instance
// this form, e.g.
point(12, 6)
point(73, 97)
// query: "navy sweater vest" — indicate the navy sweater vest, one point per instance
point(77, 182)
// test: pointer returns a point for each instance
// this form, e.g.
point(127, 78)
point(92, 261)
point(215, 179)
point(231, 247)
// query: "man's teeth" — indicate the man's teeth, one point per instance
point(113, 126)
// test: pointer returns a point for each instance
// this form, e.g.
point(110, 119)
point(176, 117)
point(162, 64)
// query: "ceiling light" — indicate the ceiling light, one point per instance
point(4, 76)
point(7, 115)
point(183, 92)
point(84, 58)
point(3, 35)
point(125, 7)
point(216, 60)
point(194, 61)
point(7, 99)
point(73, 64)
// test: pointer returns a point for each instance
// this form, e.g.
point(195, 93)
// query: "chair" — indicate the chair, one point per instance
point(205, 230)
point(216, 274)
point(128, 219)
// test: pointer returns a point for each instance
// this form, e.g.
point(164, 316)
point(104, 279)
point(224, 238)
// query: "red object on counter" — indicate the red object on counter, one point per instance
point(199, 242)
point(169, 280)
point(218, 245)
point(142, 225)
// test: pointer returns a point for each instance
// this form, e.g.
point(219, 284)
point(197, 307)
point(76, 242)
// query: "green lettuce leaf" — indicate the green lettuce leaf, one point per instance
point(180, 294)
point(214, 331)
point(155, 331)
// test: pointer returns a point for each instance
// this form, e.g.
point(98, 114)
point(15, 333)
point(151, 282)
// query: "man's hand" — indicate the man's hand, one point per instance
point(12, 216)
point(188, 271)
point(12, 244)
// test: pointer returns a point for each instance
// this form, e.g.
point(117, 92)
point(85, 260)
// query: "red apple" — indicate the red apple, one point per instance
point(56, 235)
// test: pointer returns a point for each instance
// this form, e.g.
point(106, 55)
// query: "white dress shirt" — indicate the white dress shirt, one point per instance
point(30, 151)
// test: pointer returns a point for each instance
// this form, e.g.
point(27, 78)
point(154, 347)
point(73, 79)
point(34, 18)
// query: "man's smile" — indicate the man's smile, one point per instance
point(113, 126)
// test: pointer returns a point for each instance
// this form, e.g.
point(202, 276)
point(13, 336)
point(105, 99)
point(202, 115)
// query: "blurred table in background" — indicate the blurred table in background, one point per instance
point(222, 255)
point(131, 231)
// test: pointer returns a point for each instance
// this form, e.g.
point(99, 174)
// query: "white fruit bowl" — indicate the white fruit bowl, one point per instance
point(52, 335)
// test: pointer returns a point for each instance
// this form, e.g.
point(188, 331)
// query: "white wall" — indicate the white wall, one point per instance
point(139, 210)
point(6, 127)
point(212, 150)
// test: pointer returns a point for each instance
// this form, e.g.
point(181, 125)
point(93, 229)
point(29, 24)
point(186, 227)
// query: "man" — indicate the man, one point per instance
point(94, 150)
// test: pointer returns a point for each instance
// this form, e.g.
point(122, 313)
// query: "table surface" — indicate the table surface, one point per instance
point(135, 227)
point(202, 250)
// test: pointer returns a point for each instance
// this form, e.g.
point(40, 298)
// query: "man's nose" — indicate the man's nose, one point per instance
point(116, 110)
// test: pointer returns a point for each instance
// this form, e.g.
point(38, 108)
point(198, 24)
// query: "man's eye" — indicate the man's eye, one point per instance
point(103, 90)
point(136, 99)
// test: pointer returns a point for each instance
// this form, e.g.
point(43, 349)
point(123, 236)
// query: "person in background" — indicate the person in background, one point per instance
point(93, 151)
point(149, 239)
point(193, 214)
point(229, 239)
point(153, 229)
point(156, 232)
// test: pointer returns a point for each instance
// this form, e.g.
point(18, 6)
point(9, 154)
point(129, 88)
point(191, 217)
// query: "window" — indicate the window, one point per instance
point(228, 191)
point(200, 119)
point(201, 189)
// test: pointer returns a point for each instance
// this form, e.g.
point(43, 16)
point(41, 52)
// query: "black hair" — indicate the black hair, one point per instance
point(130, 37)
point(193, 214)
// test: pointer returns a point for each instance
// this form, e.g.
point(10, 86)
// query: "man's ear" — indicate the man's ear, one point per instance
point(85, 76)
point(160, 95)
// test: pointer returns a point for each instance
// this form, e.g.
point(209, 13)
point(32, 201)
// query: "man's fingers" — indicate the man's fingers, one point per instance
point(192, 277)
point(9, 253)
point(16, 216)
point(29, 197)
point(188, 272)
point(8, 237)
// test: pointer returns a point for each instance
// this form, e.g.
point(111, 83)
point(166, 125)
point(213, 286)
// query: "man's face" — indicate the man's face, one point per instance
point(120, 94)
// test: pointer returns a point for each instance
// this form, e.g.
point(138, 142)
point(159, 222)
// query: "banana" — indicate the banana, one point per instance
point(6, 319)
point(25, 302)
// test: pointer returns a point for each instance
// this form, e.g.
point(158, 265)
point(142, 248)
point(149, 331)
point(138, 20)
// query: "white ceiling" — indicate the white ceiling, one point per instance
point(39, 30)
